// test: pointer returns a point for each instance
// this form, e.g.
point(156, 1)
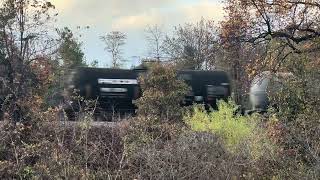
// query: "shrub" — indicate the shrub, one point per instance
point(245, 137)
point(162, 92)
point(298, 103)
point(233, 127)
point(191, 155)
point(45, 147)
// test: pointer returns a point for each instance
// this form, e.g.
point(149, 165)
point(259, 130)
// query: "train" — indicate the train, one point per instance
point(115, 90)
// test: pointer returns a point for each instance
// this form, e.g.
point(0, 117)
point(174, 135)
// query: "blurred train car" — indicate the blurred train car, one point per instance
point(207, 87)
point(263, 84)
point(116, 89)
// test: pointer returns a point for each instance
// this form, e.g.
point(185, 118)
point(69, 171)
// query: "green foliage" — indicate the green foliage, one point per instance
point(71, 54)
point(70, 49)
point(94, 63)
point(162, 92)
point(243, 136)
point(233, 128)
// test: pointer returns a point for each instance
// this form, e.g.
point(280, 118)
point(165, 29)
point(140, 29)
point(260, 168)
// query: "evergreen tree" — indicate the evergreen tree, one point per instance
point(70, 50)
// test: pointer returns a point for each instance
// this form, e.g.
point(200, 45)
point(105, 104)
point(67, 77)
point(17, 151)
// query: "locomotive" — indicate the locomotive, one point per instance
point(116, 89)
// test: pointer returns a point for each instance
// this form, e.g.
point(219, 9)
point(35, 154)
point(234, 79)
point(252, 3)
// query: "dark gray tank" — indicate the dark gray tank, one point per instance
point(104, 83)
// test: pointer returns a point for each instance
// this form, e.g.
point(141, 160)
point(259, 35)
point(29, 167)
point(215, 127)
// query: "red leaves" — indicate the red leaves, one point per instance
point(43, 69)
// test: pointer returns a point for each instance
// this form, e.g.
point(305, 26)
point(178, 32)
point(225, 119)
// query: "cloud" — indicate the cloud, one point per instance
point(62, 4)
point(113, 8)
point(135, 14)
point(206, 9)
point(137, 22)
point(171, 16)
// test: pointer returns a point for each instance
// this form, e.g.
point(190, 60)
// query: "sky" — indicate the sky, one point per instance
point(130, 17)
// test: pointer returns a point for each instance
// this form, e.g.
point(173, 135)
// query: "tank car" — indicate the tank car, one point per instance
point(206, 86)
point(262, 84)
point(114, 89)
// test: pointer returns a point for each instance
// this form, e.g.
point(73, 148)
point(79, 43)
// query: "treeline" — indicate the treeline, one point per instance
point(165, 141)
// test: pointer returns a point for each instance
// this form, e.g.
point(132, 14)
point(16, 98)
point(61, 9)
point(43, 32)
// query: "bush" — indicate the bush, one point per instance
point(298, 103)
point(245, 137)
point(162, 92)
point(189, 156)
point(234, 128)
point(45, 147)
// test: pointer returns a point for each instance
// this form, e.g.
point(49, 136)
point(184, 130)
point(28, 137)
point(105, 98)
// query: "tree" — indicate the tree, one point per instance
point(283, 27)
point(235, 54)
point(287, 35)
point(162, 92)
point(155, 37)
point(24, 38)
point(262, 35)
point(193, 46)
point(114, 41)
point(69, 56)
point(94, 63)
point(70, 49)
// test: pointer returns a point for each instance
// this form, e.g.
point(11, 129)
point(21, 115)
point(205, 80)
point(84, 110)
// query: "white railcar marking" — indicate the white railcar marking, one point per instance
point(117, 81)
point(119, 90)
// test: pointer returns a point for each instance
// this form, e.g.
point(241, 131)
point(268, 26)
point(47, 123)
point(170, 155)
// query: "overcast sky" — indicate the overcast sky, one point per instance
point(131, 17)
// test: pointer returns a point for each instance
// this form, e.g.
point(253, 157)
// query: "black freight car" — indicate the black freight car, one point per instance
point(103, 83)
point(114, 89)
point(206, 86)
